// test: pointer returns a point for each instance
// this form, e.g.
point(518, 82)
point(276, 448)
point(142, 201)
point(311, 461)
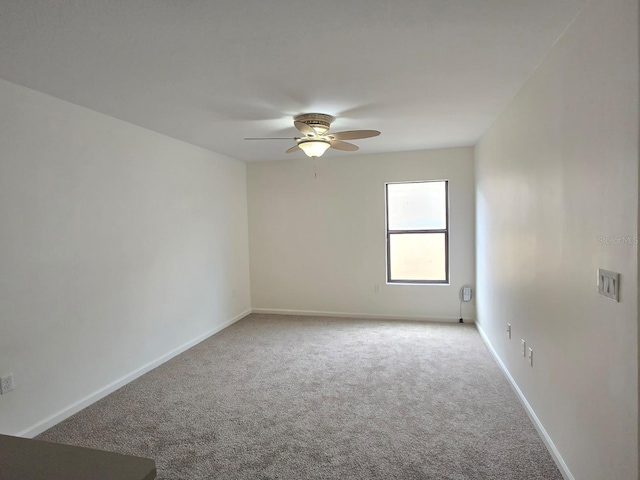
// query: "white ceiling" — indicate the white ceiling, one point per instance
point(426, 73)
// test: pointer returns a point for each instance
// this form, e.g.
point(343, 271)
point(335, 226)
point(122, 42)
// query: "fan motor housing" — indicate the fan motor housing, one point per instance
point(320, 122)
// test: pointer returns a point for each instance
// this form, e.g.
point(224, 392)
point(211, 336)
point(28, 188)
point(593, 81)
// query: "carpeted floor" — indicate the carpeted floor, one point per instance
point(322, 398)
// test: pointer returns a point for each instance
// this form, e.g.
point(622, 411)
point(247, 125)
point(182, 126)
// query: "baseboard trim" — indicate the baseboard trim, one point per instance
point(555, 454)
point(380, 316)
point(74, 408)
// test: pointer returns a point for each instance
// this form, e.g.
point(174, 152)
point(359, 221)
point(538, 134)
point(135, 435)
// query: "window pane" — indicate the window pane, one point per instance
point(417, 206)
point(417, 256)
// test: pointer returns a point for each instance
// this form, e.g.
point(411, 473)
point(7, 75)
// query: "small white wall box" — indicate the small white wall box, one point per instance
point(609, 284)
point(466, 293)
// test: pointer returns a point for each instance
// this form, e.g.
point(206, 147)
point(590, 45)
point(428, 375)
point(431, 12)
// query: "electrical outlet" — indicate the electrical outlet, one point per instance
point(509, 330)
point(6, 384)
point(531, 357)
point(523, 348)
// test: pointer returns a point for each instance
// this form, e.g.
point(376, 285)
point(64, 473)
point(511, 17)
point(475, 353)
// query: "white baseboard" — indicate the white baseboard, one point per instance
point(379, 316)
point(74, 408)
point(555, 454)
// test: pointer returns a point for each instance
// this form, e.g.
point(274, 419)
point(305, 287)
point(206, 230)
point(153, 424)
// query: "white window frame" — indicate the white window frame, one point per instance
point(418, 231)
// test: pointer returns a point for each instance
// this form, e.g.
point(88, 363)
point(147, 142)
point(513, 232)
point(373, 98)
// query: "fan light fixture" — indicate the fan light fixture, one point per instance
point(314, 148)
point(316, 139)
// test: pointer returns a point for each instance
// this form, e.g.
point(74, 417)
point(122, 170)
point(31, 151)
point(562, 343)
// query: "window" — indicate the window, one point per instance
point(418, 232)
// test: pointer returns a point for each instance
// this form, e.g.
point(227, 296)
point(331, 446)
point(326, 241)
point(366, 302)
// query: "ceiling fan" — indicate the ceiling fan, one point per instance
point(316, 137)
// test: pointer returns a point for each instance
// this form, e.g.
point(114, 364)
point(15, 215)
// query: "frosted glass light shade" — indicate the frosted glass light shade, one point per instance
point(314, 148)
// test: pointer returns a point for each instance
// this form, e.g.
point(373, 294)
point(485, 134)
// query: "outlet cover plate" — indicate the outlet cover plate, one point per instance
point(6, 384)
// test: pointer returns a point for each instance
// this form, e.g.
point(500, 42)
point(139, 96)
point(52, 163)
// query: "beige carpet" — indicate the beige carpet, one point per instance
point(320, 398)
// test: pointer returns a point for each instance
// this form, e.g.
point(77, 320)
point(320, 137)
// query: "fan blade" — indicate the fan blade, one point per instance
point(353, 134)
point(339, 145)
point(293, 149)
point(272, 138)
point(306, 129)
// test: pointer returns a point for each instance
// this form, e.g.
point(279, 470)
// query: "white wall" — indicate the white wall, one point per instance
point(557, 178)
point(318, 245)
point(117, 247)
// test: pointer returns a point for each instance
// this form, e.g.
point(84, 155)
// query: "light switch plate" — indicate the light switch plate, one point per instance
point(609, 284)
